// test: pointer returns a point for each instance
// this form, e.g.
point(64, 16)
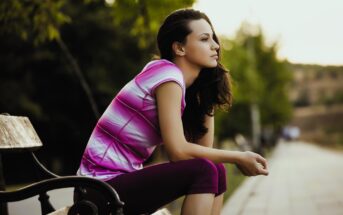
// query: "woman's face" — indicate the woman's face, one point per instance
point(200, 48)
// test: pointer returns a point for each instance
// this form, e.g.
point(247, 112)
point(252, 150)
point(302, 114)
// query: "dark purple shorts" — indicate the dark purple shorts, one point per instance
point(148, 189)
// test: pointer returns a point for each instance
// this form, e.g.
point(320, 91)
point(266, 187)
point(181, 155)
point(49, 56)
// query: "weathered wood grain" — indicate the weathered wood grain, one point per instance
point(17, 132)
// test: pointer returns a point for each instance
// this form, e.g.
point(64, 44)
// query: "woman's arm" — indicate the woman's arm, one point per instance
point(168, 96)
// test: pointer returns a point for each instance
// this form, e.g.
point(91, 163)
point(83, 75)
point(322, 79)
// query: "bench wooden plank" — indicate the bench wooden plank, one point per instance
point(17, 132)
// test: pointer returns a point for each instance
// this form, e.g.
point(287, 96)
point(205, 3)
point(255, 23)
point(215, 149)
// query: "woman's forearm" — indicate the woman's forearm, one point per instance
point(191, 150)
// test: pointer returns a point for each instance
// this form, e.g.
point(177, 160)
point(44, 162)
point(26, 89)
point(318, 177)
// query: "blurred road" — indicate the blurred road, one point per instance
point(303, 179)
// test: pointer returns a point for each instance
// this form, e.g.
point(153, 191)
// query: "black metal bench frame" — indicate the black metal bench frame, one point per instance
point(52, 181)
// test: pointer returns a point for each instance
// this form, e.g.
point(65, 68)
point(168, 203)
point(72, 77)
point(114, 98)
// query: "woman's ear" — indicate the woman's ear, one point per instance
point(178, 49)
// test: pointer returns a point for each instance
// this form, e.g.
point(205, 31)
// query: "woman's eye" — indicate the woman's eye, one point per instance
point(204, 39)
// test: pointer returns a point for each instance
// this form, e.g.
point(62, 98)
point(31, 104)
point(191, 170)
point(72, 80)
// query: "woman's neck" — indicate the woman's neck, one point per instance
point(190, 71)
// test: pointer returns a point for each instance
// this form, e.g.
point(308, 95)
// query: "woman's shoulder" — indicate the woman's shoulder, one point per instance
point(159, 63)
point(159, 71)
point(160, 67)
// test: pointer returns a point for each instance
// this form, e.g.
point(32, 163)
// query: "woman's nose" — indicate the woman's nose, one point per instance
point(215, 45)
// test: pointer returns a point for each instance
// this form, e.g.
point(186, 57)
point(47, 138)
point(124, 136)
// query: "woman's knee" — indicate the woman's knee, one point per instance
point(221, 169)
point(222, 184)
point(204, 175)
point(206, 167)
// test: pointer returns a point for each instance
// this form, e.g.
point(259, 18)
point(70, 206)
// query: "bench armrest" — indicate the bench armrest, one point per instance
point(42, 187)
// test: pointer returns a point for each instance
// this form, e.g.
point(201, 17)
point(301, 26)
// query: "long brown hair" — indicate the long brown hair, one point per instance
point(211, 89)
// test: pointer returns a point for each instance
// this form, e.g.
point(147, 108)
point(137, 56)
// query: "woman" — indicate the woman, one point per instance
point(153, 109)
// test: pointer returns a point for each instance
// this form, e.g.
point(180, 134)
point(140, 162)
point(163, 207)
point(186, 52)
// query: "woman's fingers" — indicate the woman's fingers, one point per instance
point(261, 169)
point(262, 161)
point(253, 164)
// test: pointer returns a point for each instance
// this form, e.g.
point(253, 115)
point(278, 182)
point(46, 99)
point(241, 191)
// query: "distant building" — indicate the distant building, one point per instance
point(314, 84)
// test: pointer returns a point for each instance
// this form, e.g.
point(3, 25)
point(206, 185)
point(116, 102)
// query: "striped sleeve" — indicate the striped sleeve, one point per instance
point(157, 73)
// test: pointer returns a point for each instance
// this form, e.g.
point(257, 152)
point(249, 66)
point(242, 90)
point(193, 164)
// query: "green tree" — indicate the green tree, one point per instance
point(41, 21)
point(259, 78)
point(142, 18)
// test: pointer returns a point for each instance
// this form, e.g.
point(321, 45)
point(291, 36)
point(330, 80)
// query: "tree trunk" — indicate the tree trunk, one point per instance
point(256, 128)
point(76, 68)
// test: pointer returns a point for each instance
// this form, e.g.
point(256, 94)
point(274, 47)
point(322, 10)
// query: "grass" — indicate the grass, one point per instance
point(233, 179)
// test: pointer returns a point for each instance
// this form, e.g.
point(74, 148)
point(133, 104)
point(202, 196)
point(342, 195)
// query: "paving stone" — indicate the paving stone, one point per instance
point(303, 179)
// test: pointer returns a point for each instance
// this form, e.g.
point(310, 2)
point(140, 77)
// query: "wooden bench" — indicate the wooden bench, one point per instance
point(18, 135)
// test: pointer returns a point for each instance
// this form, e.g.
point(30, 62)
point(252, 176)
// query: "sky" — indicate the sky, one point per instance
point(307, 31)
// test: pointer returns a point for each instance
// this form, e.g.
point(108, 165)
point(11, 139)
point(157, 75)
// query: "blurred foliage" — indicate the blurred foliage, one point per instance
point(36, 79)
point(34, 19)
point(258, 78)
point(143, 17)
point(303, 99)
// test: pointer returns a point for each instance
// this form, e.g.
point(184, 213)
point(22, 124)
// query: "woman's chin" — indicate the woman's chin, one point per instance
point(212, 65)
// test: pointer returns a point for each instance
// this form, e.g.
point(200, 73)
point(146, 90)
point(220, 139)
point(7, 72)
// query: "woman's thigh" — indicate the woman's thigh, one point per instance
point(146, 190)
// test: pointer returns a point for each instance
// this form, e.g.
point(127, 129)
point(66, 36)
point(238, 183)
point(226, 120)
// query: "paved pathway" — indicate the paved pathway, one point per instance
point(303, 179)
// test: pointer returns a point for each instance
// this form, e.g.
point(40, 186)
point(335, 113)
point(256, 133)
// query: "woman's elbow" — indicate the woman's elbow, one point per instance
point(178, 156)
point(175, 158)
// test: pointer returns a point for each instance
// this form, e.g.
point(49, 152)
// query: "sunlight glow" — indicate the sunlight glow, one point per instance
point(306, 31)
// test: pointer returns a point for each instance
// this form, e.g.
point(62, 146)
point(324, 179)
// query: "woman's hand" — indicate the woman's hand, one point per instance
point(252, 164)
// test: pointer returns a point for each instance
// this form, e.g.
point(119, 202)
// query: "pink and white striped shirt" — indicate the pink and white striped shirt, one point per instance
point(128, 131)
